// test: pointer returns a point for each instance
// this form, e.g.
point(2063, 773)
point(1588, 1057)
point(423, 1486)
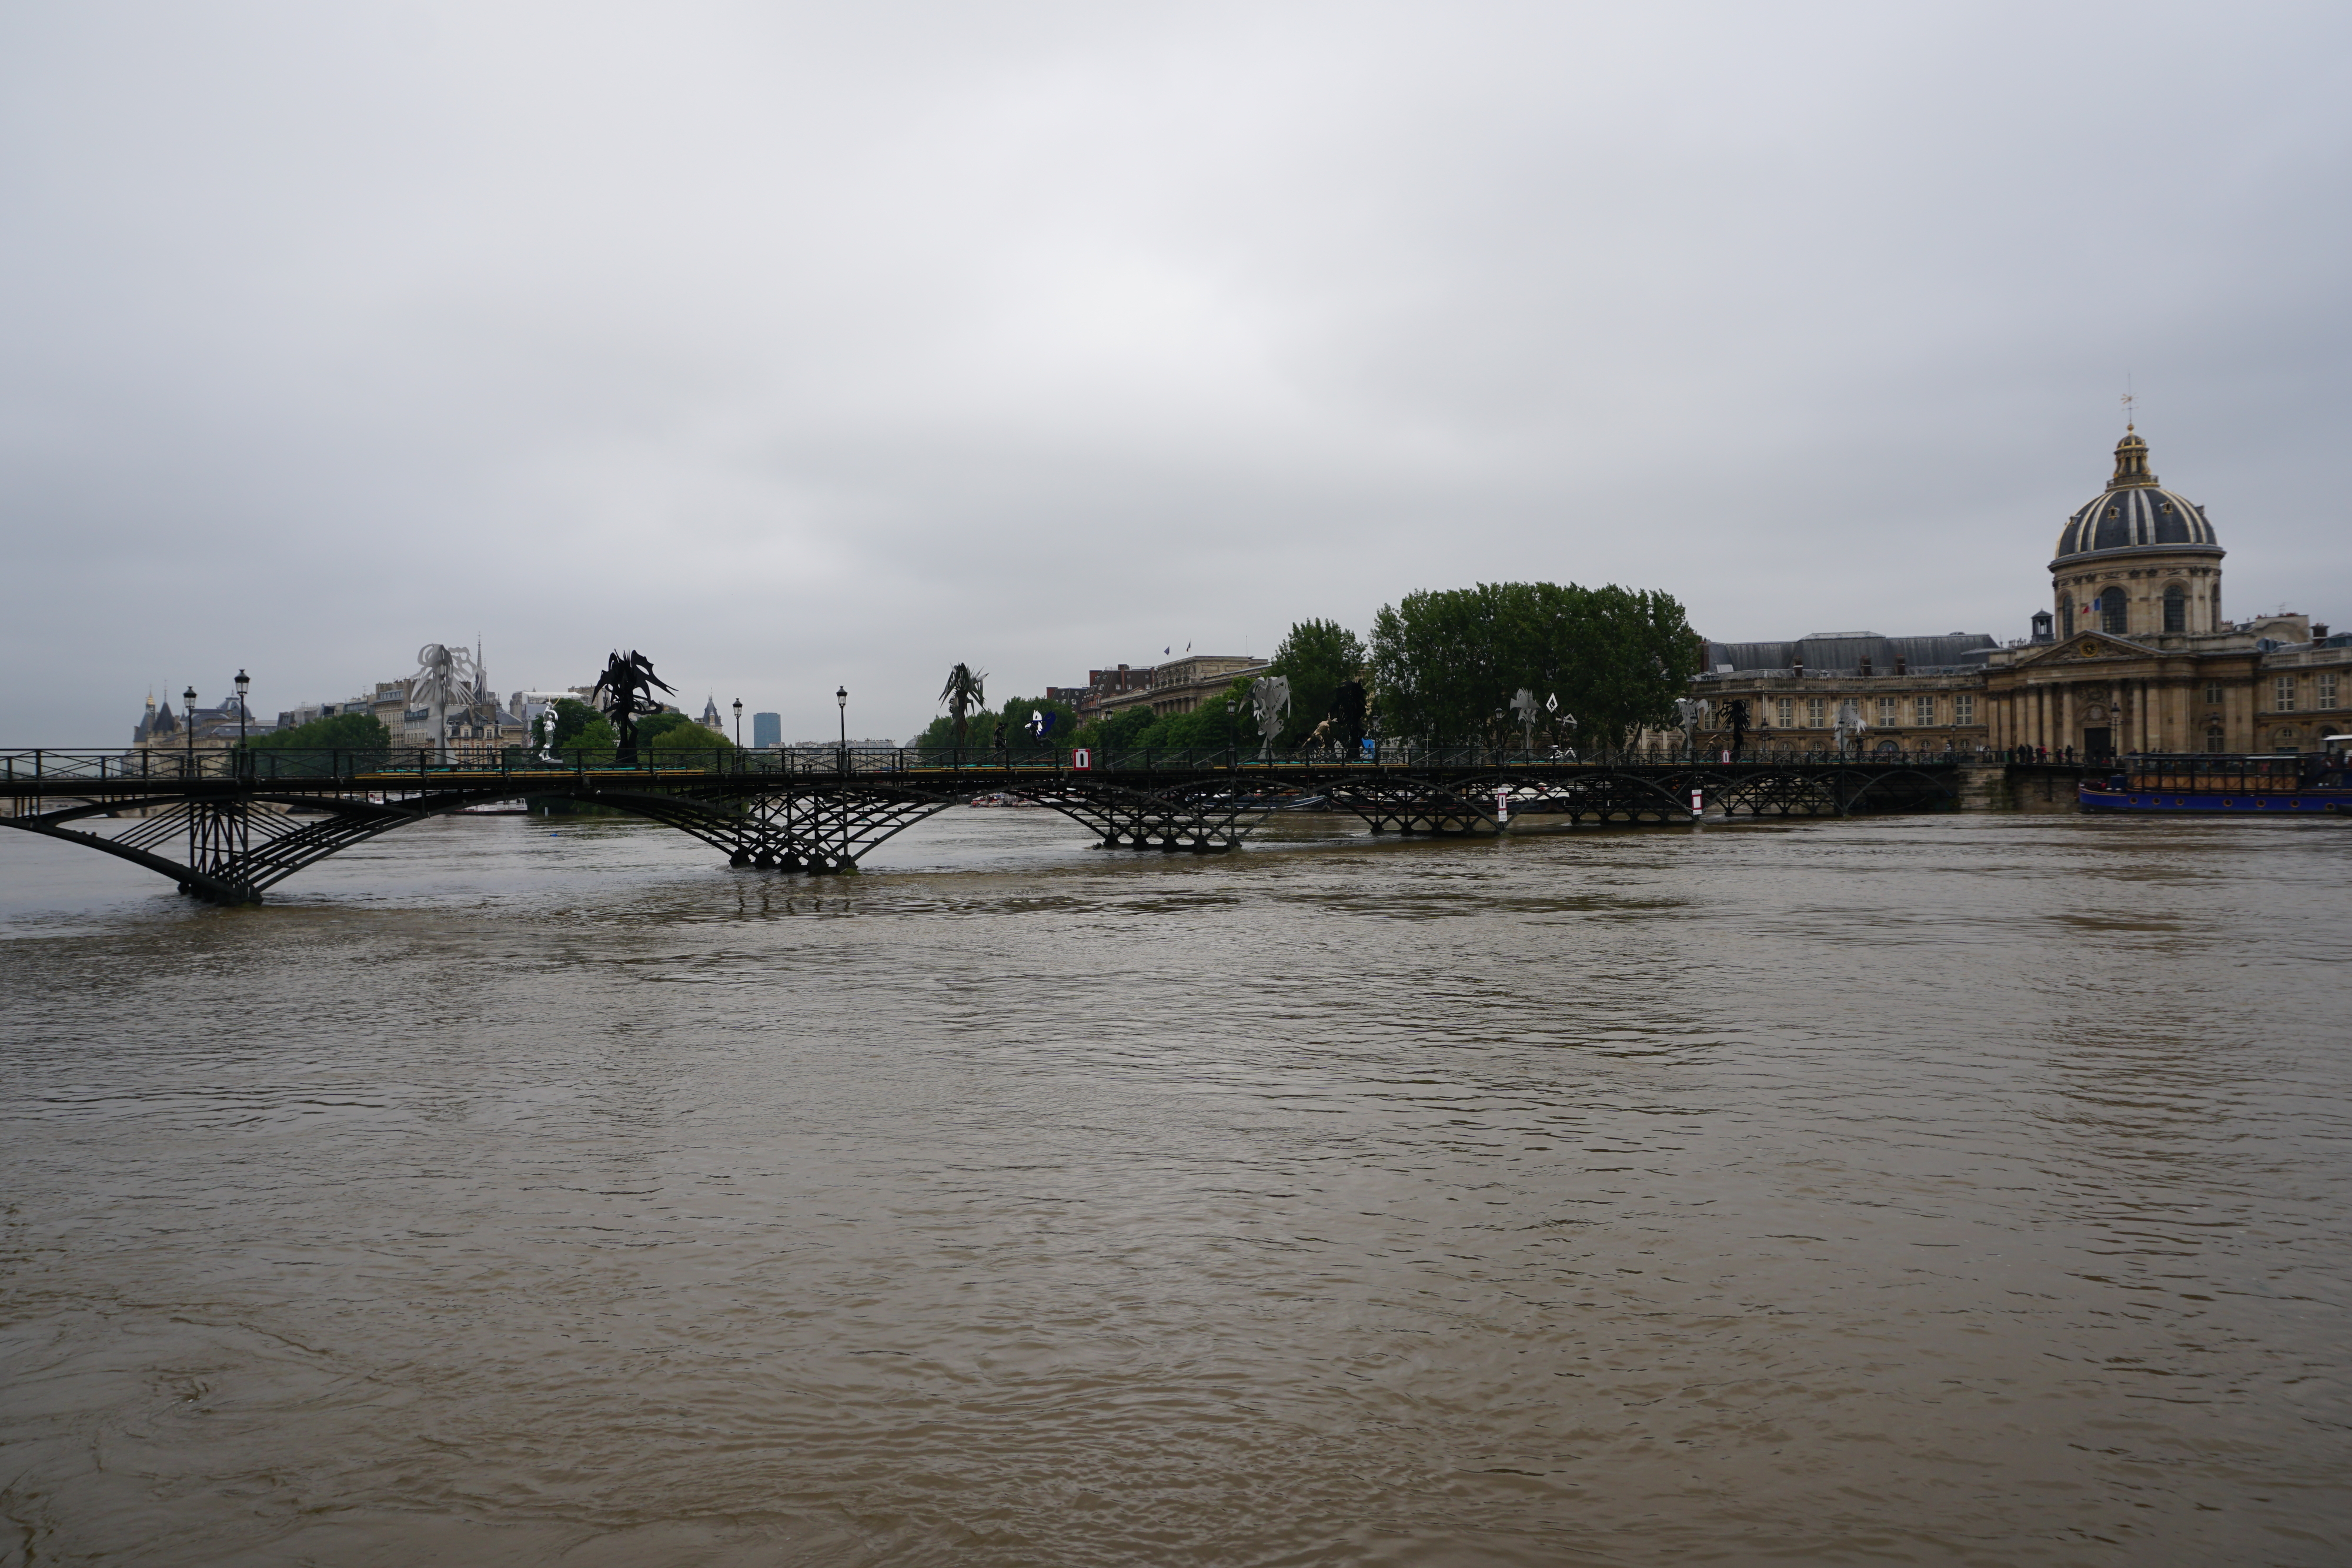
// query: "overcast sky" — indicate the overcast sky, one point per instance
point(811, 346)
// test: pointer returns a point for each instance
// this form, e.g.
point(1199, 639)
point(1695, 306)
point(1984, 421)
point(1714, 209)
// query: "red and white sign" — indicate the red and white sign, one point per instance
point(1082, 760)
point(1698, 803)
point(1502, 805)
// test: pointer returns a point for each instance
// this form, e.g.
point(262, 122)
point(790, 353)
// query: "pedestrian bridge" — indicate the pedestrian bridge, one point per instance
point(227, 826)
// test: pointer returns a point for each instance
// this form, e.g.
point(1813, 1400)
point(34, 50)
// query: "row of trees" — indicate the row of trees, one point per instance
point(1447, 664)
point(1443, 665)
point(572, 725)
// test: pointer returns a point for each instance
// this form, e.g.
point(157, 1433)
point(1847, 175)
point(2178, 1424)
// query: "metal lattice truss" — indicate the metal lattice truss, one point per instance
point(229, 848)
point(228, 840)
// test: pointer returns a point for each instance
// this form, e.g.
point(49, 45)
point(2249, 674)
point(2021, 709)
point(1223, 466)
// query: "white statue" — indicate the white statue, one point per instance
point(1523, 703)
point(444, 679)
point(1849, 725)
point(1270, 700)
point(1691, 715)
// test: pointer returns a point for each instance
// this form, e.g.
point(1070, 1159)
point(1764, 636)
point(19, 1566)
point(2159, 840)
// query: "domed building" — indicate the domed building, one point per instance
point(2135, 654)
point(2170, 561)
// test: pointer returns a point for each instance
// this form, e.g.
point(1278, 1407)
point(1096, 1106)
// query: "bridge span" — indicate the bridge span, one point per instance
point(227, 826)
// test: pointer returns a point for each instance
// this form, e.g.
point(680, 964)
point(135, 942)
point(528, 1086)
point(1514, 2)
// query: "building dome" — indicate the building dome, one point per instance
point(2134, 513)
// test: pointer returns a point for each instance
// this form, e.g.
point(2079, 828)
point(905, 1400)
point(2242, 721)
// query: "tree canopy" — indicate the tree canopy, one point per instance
point(1317, 656)
point(343, 732)
point(1445, 662)
point(670, 730)
point(561, 725)
point(594, 741)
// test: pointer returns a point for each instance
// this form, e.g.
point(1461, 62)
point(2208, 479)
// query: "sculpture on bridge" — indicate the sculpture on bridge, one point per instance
point(1691, 715)
point(1347, 715)
point(1737, 716)
point(1270, 701)
point(624, 691)
point(1563, 728)
point(445, 678)
point(1851, 727)
point(963, 693)
point(1523, 703)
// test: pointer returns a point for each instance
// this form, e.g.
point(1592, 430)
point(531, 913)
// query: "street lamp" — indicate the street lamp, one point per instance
point(739, 724)
point(841, 700)
point(243, 682)
point(188, 721)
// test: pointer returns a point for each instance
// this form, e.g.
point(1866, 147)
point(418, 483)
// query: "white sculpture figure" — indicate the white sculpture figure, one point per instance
point(1691, 715)
point(1563, 727)
point(1523, 703)
point(444, 679)
point(1849, 725)
point(1270, 700)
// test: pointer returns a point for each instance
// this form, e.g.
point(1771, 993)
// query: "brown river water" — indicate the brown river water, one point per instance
point(1934, 1190)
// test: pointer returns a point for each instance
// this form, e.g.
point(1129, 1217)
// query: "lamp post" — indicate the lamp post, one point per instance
point(188, 722)
point(1232, 745)
point(244, 682)
point(739, 724)
point(841, 701)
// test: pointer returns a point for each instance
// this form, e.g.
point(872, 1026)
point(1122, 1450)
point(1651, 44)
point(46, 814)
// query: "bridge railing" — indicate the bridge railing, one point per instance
point(526, 767)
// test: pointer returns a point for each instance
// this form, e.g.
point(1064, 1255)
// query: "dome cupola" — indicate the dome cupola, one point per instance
point(2135, 514)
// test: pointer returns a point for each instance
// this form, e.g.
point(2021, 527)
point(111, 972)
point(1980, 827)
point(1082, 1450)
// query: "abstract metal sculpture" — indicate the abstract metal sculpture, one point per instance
point(1270, 701)
point(1564, 728)
point(965, 690)
point(1849, 725)
point(1523, 703)
point(445, 678)
point(1347, 711)
point(1737, 716)
point(1691, 715)
point(624, 691)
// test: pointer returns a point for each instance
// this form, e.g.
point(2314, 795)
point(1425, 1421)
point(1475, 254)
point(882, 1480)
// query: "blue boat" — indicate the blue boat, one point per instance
point(2282, 786)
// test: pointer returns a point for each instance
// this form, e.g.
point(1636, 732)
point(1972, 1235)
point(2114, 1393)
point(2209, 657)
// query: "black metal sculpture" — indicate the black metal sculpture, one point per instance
point(624, 691)
point(1738, 718)
point(1347, 708)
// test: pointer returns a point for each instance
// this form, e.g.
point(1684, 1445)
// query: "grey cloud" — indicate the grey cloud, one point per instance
point(803, 347)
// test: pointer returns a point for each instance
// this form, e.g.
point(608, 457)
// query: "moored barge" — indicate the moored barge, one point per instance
point(2286, 785)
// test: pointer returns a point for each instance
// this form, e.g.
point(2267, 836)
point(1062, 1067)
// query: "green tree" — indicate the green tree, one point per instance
point(667, 720)
point(343, 732)
point(593, 743)
point(1121, 732)
point(1316, 657)
point(560, 724)
point(1446, 663)
point(689, 735)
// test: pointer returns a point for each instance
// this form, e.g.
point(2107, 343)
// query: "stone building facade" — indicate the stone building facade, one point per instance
point(2136, 654)
point(1178, 686)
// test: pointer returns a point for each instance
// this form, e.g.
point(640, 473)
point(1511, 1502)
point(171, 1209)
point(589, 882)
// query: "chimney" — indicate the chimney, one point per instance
point(1899, 663)
point(2319, 630)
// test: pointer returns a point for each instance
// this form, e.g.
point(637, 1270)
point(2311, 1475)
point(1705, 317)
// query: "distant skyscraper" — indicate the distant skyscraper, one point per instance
point(766, 729)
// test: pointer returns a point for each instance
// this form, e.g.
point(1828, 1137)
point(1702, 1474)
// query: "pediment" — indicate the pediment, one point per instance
point(2085, 647)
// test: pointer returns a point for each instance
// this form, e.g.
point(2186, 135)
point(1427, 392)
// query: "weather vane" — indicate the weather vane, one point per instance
point(2128, 402)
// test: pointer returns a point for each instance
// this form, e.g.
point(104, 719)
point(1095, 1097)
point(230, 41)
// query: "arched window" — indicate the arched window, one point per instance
point(2066, 615)
point(2176, 609)
point(2111, 609)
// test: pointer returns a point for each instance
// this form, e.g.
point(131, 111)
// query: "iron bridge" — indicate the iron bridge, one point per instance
point(227, 826)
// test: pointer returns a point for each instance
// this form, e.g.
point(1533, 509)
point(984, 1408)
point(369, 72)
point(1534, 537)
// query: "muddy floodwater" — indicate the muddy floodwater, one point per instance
point(1957, 1189)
